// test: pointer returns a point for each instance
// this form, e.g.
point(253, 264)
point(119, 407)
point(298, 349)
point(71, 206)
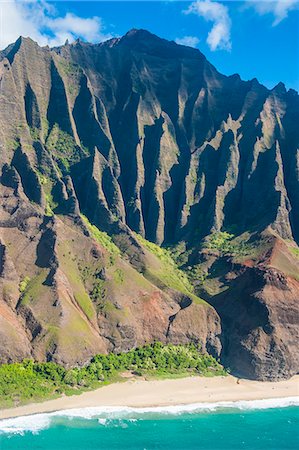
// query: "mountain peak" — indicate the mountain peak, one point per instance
point(24, 39)
point(146, 42)
point(138, 31)
point(21, 42)
point(280, 88)
point(139, 34)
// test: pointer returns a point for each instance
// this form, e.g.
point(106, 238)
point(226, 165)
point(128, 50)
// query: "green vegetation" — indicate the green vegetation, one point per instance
point(295, 251)
point(94, 284)
point(51, 205)
point(35, 134)
point(72, 73)
point(48, 210)
point(13, 144)
point(118, 276)
point(64, 148)
point(73, 274)
point(221, 241)
point(31, 381)
point(68, 68)
point(227, 243)
point(83, 300)
point(23, 284)
point(45, 127)
point(42, 178)
point(98, 293)
point(168, 273)
point(103, 238)
point(31, 289)
point(197, 274)
point(180, 253)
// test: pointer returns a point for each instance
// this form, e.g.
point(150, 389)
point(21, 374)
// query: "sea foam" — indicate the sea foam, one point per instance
point(35, 423)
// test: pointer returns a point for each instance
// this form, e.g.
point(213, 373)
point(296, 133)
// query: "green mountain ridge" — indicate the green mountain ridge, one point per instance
point(112, 150)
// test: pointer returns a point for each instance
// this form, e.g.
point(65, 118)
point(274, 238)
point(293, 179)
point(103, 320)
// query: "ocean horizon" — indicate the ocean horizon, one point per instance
point(254, 425)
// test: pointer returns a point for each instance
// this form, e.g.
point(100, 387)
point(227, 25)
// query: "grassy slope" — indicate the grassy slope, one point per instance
point(163, 271)
point(223, 253)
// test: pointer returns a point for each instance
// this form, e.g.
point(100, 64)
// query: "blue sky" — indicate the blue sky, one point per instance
point(252, 38)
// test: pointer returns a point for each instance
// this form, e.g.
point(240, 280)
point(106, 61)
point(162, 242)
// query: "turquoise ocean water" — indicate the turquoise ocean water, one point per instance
point(260, 425)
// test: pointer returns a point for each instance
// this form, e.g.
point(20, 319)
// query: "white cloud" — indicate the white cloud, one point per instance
point(39, 20)
point(279, 9)
point(190, 41)
point(219, 36)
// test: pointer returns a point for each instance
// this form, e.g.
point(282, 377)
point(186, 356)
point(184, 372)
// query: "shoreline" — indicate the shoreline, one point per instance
point(137, 393)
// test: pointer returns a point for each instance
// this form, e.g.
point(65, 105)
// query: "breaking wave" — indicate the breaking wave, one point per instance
point(105, 415)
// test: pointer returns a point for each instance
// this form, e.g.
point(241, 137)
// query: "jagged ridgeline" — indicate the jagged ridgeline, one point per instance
point(145, 197)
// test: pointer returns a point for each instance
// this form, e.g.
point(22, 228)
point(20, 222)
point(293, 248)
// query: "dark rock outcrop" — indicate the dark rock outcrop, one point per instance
point(260, 321)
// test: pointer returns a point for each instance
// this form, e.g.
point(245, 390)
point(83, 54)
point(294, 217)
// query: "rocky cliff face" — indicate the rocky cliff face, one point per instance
point(150, 143)
point(256, 296)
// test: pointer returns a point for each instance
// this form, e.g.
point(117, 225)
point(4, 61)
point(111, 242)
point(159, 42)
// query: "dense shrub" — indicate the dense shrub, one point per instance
point(29, 380)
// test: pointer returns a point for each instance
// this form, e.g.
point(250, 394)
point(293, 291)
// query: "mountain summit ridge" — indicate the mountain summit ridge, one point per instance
point(140, 32)
point(110, 151)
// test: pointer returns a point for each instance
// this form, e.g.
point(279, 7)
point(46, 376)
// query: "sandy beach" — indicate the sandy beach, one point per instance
point(142, 393)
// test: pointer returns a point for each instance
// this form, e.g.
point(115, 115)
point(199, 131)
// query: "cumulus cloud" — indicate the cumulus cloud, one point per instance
point(39, 20)
point(219, 37)
point(190, 41)
point(279, 9)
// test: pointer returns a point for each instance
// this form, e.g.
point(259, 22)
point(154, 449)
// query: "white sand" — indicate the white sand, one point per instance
point(141, 393)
